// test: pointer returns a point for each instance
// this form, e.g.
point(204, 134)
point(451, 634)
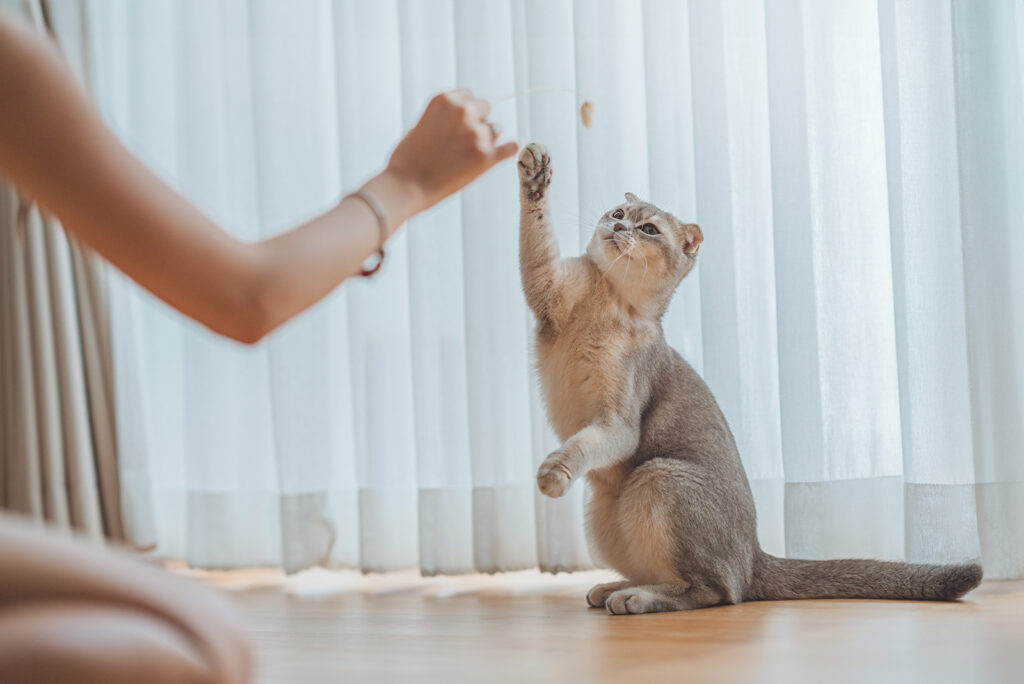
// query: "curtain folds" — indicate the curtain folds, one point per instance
point(858, 309)
point(59, 454)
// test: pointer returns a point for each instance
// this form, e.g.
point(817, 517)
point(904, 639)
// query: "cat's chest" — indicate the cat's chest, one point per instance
point(586, 370)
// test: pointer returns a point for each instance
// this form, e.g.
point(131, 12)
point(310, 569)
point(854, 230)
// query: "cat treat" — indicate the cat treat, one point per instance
point(587, 114)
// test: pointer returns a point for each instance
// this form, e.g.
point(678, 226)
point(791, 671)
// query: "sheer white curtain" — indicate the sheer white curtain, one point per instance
point(858, 308)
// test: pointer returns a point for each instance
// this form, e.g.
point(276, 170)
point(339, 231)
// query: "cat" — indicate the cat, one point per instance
point(671, 509)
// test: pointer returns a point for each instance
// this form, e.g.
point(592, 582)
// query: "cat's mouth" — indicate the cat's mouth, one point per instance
point(620, 245)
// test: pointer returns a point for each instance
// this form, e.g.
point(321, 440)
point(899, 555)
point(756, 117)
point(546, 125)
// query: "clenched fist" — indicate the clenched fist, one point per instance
point(450, 147)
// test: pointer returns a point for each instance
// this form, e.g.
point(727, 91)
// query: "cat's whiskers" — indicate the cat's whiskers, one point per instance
point(612, 265)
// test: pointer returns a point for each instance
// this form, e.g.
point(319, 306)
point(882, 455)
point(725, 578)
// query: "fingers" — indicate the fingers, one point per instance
point(479, 108)
point(466, 97)
point(503, 152)
point(463, 109)
point(475, 108)
point(459, 95)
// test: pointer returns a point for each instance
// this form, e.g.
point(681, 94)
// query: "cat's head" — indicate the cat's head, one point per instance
point(644, 252)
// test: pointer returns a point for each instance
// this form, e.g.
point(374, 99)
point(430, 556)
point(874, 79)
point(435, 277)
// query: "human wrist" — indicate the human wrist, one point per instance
point(401, 197)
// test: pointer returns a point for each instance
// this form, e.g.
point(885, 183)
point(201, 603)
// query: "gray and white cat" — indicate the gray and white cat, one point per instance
point(671, 509)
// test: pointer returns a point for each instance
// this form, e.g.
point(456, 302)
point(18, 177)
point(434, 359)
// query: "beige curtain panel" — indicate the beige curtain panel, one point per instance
point(58, 454)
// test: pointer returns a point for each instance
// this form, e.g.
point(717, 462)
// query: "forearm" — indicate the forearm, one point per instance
point(237, 289)
point(303, 265)
point(245, 290)
point(240, 290)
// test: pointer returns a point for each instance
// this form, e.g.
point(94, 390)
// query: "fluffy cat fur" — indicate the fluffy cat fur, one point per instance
point(671, 509)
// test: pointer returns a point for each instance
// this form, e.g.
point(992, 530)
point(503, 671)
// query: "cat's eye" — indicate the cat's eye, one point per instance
point(618, 213)
point(650, 229)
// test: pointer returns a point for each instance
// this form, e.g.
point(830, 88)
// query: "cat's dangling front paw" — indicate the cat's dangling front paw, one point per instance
point(534, 170)
point(554, 477)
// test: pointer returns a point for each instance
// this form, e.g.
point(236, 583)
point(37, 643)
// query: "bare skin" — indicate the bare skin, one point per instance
point(74, 612)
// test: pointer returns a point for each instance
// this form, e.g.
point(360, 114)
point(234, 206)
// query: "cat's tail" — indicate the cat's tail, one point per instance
point(791, 578)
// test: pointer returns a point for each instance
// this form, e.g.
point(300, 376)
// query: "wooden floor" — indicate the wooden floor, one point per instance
point(333, 627)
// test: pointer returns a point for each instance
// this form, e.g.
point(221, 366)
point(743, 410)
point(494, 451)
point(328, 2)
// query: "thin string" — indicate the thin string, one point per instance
point(535, 89)
point(586, 111)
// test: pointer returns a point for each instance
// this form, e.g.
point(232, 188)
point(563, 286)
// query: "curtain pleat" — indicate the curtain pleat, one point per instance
point(989, 73)
point(545, 53)
point(928, 278)
point(59, 453)
point(498, 393)
point(437, 316)
point(732, 150)
point(93, 321)
point(857, 309)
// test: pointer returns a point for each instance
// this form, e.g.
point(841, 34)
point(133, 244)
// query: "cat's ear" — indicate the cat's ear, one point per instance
point(693, 237)
point(630, 197)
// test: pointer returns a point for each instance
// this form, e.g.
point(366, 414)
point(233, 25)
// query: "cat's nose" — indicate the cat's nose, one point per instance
point(618, 226)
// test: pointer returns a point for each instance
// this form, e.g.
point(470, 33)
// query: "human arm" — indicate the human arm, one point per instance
point(56, 149)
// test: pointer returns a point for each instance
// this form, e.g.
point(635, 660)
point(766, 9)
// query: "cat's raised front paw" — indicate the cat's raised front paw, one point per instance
point(534, 170)
point(554, 477)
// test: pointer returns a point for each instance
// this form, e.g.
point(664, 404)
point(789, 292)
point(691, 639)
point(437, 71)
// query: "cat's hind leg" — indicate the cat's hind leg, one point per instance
point(661, 598)
point(669, 544)
point(597, 596)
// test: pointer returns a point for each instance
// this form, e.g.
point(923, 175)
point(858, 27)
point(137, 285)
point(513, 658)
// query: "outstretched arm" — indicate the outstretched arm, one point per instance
point(539, 263)
point(56, 150)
